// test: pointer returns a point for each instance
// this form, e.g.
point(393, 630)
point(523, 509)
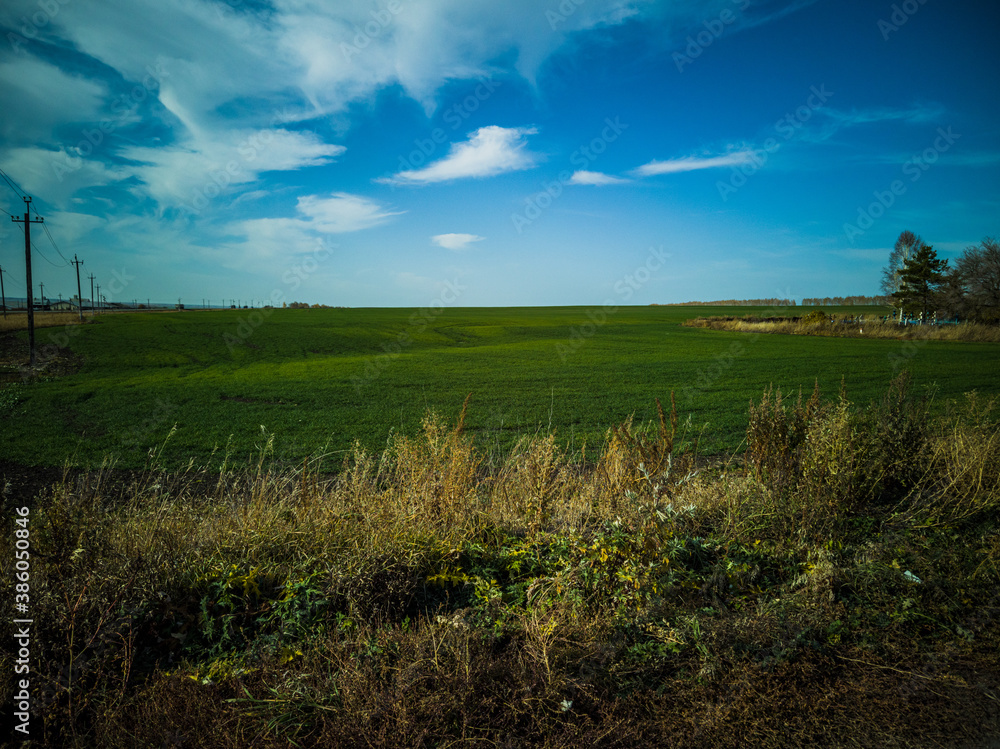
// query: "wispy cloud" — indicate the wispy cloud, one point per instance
point(971, 159)
point(915, 114)
point(694, 163)
point(318, 217)
point(583, 177)
point(834, 120)
point(456, 242)
point(203, 164)
point(489, 151)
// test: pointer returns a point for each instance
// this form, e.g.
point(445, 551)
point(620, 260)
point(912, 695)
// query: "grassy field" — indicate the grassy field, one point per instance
point(836, 587)
point(320, 379)
point(475, 577)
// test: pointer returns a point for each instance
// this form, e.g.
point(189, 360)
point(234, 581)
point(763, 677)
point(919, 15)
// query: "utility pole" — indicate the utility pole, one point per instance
point(98, 297)
point(41, 294)
point(28, 221)
point(79, 296)
point(3, 296)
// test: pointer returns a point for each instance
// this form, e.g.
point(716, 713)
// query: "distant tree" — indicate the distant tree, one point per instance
point(905, 246)
point(920, 277)
point(977, 275)
point(952, 296)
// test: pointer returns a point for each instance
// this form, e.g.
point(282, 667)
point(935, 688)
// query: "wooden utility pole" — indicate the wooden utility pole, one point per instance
point(91, 277)
point(99, 296)
point(28, 221)
point(79, 294)
point(3, 296)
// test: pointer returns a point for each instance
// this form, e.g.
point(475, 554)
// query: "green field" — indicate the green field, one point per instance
point(322, 378)
point(442, 590)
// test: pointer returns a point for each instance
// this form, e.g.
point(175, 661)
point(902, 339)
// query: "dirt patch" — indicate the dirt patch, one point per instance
point(51, 360)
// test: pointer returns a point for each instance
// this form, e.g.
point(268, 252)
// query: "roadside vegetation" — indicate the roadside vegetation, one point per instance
point(835, 585)
point(818, 323)
point(15, 321)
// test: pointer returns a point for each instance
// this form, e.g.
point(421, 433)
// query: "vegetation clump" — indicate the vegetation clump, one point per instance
point(846, 564)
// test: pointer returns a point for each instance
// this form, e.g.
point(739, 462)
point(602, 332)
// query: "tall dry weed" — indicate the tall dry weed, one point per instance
point(961, 472)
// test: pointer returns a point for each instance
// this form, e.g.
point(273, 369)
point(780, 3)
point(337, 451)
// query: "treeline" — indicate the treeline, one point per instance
point(826, 301)
point(775, 302)
point(921, 283)
point(846, 301)
point(306, 305)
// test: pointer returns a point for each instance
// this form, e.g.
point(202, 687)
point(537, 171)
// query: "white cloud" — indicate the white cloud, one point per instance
point(318, 216)
point(44, 98)
point(56, 175)
point(456, 242)
point(199, 168)
point(584, 177)
point(489, 151)
point(343, 212)
point(694, 163)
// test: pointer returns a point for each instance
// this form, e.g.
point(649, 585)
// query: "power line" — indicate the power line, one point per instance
point(13, 185)
point(18, 280)
point(49, 235)
point(31, 208)
point(54, 265)
point(66, 264)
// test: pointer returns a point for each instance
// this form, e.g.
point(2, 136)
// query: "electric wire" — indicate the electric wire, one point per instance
point(55, 265)
point(9, 278)
point(45, 227)
point(13, 185)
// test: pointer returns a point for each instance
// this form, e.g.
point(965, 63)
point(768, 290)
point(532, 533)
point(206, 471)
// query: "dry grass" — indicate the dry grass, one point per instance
point(434, 595)
point(15, 321)
point(821, 325)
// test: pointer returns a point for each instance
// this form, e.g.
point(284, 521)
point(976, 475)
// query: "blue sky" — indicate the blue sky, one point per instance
point(467, 152)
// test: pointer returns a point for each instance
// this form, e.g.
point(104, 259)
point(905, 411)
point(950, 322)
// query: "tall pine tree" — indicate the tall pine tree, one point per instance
point(919, 280)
